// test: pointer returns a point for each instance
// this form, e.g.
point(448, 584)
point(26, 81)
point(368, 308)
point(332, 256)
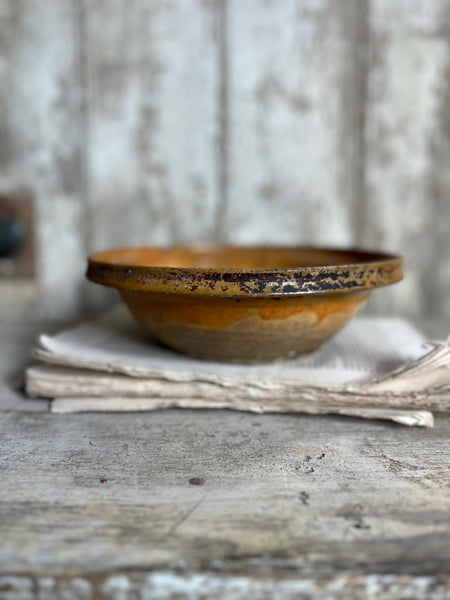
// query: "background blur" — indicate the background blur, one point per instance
point(277, 121)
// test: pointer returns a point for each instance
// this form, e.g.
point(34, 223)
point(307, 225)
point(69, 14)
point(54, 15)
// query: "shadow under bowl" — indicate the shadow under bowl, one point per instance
point(243, 304)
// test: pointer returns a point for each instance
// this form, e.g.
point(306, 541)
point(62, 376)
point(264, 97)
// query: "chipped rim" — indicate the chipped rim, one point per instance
point(369, 270)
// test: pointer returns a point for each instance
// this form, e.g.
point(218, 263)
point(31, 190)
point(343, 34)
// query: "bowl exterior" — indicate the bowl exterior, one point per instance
point(243, 329)
point(243, 304)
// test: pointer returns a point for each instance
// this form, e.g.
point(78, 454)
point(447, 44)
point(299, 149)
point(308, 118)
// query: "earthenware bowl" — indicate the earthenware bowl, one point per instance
point(243, 304)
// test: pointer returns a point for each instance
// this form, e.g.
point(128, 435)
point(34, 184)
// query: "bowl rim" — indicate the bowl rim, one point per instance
point(369, 270)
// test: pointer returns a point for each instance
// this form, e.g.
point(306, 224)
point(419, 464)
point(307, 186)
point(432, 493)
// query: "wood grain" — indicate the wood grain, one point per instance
point(324, 495)
point(152, 96)
point(152, 89)
point(260, 121)
point(407, 140)
point(293, 106)
point(44, 141)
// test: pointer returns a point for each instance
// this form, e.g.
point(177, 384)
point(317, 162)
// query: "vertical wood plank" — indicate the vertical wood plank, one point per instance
point(408, 150)
point(43, 140)
point(7, 35)
point(152, 92)
point(227, 119)
point(437, 273)
point(294, 111)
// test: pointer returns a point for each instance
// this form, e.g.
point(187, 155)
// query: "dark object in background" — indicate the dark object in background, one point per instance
point(12, 234)
point(16, 236)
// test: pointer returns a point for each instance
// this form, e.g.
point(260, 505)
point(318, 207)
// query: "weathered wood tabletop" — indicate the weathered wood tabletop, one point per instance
point(216, 504)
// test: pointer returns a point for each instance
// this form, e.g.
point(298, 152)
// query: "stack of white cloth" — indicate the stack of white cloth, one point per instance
point(380, 368)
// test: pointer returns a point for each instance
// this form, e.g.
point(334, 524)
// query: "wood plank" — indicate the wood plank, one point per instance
point(152, 97)
point(225, 119)
point(204, 491)
point(153, 123)
point(126, 585)
point(407, 147)
point(294, 110)
point(43, 144)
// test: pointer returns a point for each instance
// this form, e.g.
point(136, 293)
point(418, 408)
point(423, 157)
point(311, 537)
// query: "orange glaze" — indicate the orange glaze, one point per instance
point(321, 308)
point(219, 302)
point(221, 313)
point(215, 314)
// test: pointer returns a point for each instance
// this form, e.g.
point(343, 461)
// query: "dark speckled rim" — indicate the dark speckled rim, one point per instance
point(365, 271)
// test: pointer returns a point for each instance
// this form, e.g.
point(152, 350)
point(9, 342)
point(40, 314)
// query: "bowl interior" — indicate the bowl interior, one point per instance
point(233, 257)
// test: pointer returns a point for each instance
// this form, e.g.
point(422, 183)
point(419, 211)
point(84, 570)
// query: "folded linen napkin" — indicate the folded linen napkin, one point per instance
point(374, 368)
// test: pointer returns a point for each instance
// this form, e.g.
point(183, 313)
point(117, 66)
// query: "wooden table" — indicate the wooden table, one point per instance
point(216, 504)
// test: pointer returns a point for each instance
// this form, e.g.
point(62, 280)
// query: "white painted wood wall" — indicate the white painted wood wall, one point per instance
point(279, 121)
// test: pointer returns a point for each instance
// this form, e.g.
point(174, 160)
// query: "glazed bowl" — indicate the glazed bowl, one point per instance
point(243, 304)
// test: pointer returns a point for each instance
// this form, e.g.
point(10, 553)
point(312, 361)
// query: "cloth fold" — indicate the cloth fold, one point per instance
point(375, 368)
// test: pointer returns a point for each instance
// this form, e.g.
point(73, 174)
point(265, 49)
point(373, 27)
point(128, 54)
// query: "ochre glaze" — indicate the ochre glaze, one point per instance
point(243, 304)
point(251, 330)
